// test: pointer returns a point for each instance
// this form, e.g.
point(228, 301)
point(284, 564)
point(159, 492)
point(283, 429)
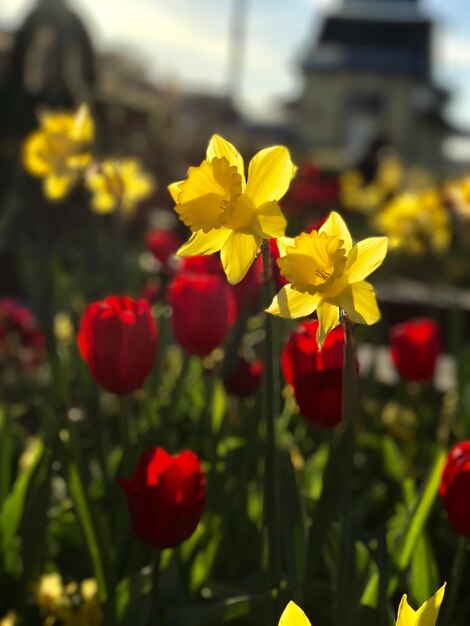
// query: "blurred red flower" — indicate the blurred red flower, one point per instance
point(202, 264)
point(203, 311)
point(166, 497)
point(415, 346)
point(151, 291)
point(245, 379)
point(22, 341)
point(118, 340)
point(162, 244)
point(316, 376)
point(248, 291)
point(310, 189)
point(455, 488)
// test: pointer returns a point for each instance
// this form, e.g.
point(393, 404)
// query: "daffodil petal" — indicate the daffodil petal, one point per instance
point(204, 243)
point(290, 303)
point(293, 616)
point(427, 614)
point(220, 147)
point(103, 202)
point(57, 187)
point(35, 154)
point(335, 225)
point(237, 254)
point(406, 615)
point(269, 175)
point(328, 316)
point(175, 189)
point(283, 243)
point(365, 257)
point(359, 302)
point(271, 219)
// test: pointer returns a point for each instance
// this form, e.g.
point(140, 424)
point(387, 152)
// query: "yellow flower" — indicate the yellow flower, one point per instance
point(63, 328)
point(119, 184)
point(9, 619)
point(58, 151)
point(227, 213)
point(426, 615)
point(326, 273)
point(293, 616)
point(416, 222)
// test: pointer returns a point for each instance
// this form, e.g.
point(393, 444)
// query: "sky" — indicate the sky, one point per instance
point(185, 42)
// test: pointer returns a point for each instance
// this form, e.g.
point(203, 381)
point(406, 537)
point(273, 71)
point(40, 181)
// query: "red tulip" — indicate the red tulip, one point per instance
point(162, 244)
point(118, 339)
point(248, 291)
point(455, 488)
point(245, 380)
point(316, 376)
point(22, 341)
point(151, 292)
point(415, 346)
point(202, 264)
point(166, 497)
point(203, 310)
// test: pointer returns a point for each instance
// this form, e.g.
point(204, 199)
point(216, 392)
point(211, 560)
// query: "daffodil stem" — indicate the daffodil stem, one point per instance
point(271, 471)
point(347, 565)
point(155, 606)
point(455, 580)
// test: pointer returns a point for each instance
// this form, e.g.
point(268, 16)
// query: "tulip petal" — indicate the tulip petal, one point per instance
point(365, 257)
point(328, 316)
point(290, 303)
point(427, 614)
point(359, 302)
point(269, 175)
point(293, 616)
point(335, 225)
point(237, 255)
point(271, 219)
point(175, 189)
point(219, 147)
point(204, 243)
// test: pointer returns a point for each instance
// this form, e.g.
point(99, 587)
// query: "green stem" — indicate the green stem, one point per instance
point(271, 476)
point(347, 565)
point(455, 581)
point(155, 607)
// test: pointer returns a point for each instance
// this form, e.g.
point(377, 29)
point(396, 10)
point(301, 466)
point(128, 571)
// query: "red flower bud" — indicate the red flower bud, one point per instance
point(455, 488)
point(245, 380)
point(118, 339)
point(162, 244)
point(316, 376)
point(203, 310)
point(415, 346)
point(166, 497)
point(21, 340)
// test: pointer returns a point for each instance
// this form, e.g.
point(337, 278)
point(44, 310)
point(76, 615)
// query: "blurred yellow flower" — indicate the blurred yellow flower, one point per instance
point(415, 222)
point(326, 273)
point(358, 195)
point(63, 328)
point(9, 619)
point(458, 193)
point(59, 150)
point(89, 612)
point(119, 184)
point(227, 213)
point(426, 615)
point(293, 616)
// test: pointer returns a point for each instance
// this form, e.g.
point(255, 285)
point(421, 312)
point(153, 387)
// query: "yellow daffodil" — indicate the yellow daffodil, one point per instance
point(227, 213)
point(9, 619)
point(59, 150)
point(293, 616)
point(325, 273)
point(416, 222)
point(426, 615)
point(119, 184)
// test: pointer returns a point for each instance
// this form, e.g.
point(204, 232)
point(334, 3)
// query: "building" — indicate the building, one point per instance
point(368, 82)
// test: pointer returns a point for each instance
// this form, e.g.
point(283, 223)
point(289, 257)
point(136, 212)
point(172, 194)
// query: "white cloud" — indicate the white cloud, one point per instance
point(452, 49)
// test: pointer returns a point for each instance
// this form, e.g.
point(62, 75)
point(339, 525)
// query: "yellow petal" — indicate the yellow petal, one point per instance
point(365, 257)
point(237, 255)
point(175, 189)
point(290, 304)
point(335, 225)
point(35, 152)
point(406, 615)
point(103, 202)
point(57, 187)
point(283, 243)
point(219, 147)
point(293, 616)
point(427, 614)
point(359, 302)
point(328, 316)
point(204, 243)
point(271, 219)
point(269, 175)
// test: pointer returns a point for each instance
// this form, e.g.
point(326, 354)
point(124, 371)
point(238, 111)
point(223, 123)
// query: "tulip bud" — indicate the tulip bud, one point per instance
point(166, 497)
point(118, 339)
point(203, 310)
point(455, 488)
point(415, 346)
point(162, 244)
point(245, 379)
